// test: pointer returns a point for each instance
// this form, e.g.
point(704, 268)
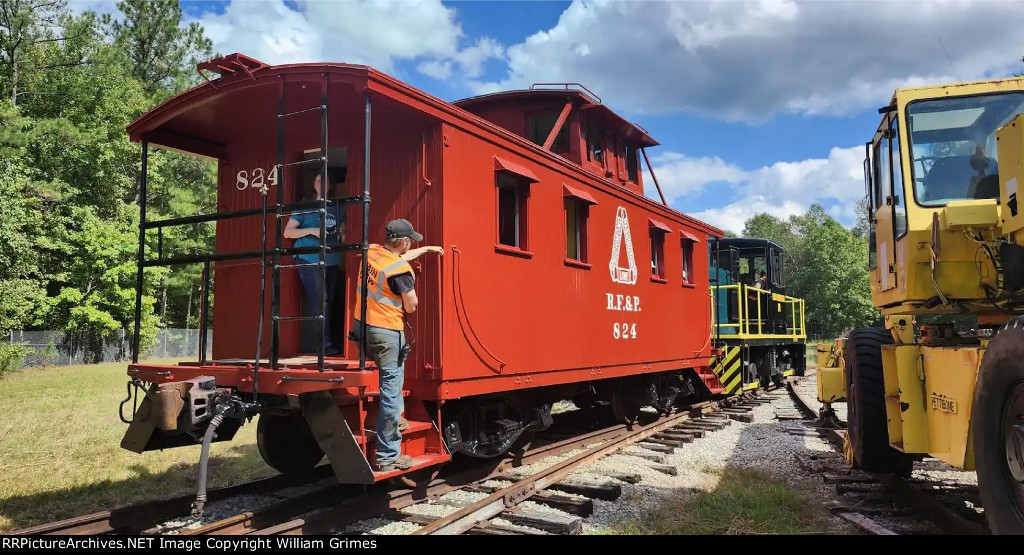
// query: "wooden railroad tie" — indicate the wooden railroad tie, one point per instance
point(489, 528)
point(579, 506)
point(667, 441)
point(867, 524)
point(847, 478)
point(664, 468)
point(657, 448)
point(540, 526)
point(859, 487)
point(625, 477)
point(713, 425)
point(685, 437)
point(605, 491)
point(695, 431)
point(803, 432)
point(660, 459)
point(556, 523)
point(878, 511)
point(748, 418)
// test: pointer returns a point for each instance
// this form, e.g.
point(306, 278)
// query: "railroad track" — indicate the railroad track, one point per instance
point(135, 519)
point(496, 503)
point(884, 504)
point(498, 493)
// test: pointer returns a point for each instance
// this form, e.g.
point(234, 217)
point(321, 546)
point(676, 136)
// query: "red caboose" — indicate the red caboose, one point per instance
point(559, 278)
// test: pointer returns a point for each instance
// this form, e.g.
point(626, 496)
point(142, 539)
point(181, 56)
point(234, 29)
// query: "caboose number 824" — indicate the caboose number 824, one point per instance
point(559, 279)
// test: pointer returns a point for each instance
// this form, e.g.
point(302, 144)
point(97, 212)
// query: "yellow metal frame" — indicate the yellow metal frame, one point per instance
point(947, 262)
point(831, 374)
point(753, 328)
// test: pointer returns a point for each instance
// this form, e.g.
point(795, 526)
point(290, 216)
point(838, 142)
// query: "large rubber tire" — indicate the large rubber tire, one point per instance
point(286, 444)
point(999, 381)
point(865, 404)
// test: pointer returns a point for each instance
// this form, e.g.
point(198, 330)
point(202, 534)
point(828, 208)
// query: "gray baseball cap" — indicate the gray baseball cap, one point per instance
point(401, 228)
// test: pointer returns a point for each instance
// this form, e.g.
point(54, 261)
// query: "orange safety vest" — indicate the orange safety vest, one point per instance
point(384, 308)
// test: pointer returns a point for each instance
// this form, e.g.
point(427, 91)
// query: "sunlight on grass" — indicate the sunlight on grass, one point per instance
point(744, 502)
point(60, 453)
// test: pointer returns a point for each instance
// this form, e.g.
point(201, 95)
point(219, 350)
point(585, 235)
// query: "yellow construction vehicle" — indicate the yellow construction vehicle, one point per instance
point(944, 171)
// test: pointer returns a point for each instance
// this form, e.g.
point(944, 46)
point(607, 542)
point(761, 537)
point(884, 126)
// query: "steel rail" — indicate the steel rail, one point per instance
point(136, 518)
point(927, 506)
point(468, 517)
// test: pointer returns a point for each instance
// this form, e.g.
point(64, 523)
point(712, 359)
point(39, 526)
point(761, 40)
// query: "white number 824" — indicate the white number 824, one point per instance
point(243, 181)
point(624, 330)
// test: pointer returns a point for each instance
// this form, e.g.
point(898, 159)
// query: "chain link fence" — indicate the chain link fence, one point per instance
point(58, 348)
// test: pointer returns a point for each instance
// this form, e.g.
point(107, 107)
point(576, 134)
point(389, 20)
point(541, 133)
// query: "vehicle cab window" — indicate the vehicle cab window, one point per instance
point(951, 142)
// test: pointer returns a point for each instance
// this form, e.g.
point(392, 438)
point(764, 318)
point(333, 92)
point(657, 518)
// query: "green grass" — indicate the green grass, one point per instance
point(744, 502)
point(60, 453)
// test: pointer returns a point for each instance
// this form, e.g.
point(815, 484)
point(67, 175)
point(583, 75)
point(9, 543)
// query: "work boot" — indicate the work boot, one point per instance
point(403, 424)
point(403, 462)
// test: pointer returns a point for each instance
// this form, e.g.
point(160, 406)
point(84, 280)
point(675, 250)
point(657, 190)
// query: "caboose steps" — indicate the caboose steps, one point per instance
point(419, 462)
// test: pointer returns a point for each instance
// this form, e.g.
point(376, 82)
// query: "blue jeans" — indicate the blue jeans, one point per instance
point(384, 347)
point(310, 277)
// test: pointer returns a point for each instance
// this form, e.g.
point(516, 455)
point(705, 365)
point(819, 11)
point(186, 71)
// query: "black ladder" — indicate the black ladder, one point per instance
point(319, 207)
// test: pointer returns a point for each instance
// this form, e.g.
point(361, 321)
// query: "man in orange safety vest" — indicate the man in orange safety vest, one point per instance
point(390, 294)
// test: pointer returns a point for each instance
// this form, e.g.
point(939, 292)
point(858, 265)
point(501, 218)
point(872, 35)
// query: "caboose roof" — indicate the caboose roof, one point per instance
point(588, 101)
point(207, 118)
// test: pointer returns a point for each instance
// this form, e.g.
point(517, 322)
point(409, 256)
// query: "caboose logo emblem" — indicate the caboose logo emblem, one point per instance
point(619, 274)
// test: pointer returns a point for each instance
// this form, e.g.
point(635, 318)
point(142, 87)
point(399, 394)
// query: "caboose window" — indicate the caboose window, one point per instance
point(512, 195)
point(595, 142)
point(687, 261)
point(688, 242)
point(573, 230)
point(657, 253)
point(576, 212)
point(658, 231)
point(577, 203)
point(632, 164)
point(540, 125)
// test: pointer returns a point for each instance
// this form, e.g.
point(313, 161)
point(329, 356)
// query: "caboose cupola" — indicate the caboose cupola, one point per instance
point(570, 120)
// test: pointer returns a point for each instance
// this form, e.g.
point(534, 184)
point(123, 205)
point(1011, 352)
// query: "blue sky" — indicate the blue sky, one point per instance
point(759, 106)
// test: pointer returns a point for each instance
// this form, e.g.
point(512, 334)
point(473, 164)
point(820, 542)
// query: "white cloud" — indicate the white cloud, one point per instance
point(782, 189)
point(680, 175)
point(378, 33)
point(734, 216)
point(749, 60)
point(438, 69)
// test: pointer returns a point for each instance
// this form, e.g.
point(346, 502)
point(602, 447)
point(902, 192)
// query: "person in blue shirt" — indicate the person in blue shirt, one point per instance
point(305, 229)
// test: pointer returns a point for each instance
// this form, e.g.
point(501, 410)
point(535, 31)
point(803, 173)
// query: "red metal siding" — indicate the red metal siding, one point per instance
point(237, 283)
point(400, 187)
point(533, 314)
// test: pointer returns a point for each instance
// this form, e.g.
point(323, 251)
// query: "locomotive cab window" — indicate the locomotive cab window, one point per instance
point(513, 193)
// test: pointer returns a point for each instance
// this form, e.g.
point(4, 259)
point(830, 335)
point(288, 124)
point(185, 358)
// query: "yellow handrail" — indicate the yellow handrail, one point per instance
point(743, 326)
